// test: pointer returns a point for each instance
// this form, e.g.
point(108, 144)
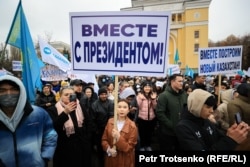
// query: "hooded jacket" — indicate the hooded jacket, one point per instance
point(129, 91)
point(28, 137)
point(226, 96)
point(240, 104)
point(197, 134)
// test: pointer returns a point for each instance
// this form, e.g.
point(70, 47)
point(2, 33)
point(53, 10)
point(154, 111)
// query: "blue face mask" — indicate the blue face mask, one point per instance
point(9, 100)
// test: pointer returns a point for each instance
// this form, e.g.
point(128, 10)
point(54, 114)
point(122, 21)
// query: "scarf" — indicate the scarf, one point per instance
point(68, 125)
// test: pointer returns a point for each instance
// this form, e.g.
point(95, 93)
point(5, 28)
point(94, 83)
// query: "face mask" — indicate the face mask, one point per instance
point(9, 100)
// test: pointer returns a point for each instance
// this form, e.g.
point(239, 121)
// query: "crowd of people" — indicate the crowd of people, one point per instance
point(74, 125)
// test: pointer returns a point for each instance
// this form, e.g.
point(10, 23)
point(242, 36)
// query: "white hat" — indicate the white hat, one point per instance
point(159, 83)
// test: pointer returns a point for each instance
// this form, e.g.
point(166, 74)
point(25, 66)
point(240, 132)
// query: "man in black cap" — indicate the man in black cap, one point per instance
point(103, 110)
point(240, 104)
point(199, 82)
point(78, 85)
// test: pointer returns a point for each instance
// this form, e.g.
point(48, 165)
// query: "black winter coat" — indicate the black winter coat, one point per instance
point(198, 134)
point(42, 100)
point(73, 150)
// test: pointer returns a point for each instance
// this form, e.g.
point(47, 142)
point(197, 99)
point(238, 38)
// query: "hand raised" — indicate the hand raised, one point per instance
point(238, 132)
point(70, 107)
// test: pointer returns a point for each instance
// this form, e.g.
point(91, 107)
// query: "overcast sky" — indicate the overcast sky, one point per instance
point(226, 17)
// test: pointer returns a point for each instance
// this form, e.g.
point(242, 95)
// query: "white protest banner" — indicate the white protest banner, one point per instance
point(53, 73)
point(173, 69)
point(120, 43)
point(16, 65)
point(219, 60)
point(51, 56)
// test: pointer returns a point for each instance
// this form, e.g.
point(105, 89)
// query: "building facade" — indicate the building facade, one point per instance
point(188, 27)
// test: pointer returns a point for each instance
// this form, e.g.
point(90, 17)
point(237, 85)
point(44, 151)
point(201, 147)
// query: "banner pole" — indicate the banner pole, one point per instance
point(219, 88)
point(115, 107)
point(115, 101)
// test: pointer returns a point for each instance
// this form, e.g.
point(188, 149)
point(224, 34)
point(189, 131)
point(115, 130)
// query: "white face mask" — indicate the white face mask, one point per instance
point(9, 100)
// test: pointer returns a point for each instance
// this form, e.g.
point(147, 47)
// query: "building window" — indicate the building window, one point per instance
point(196, 34)
point(179, 17)
point(196, 47)
point(173, 17)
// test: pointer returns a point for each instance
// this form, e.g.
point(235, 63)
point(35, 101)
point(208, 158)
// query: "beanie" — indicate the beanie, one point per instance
point(210, 101)
point(102, 90)
point(244, 89)
point(76, 82)
point(146, 83)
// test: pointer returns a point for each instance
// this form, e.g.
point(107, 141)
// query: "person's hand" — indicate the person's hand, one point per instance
point(238, 132)
point(70, 107)
point(153, 95)
point(132, 109)
point(113, 152)
point(115, 134)
point(48, 104)
point(212, 118)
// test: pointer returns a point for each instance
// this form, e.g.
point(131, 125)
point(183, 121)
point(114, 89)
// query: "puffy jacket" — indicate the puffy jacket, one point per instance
point(146, 107)
point(28, 138)
point(198, 134)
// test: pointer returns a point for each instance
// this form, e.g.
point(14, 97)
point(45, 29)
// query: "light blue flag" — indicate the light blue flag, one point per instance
point(19, 36)
point(176, 57)
point(191, 74)
point(241, 73)
point(186, 70)
point(170, 71)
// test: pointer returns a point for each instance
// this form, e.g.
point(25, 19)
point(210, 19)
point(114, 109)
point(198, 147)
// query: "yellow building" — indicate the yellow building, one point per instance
point(188, 30)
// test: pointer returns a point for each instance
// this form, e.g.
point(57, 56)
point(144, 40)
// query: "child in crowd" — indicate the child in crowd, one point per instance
point(119, 140)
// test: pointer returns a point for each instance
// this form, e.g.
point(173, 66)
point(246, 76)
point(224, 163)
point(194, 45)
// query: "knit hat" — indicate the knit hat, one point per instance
point(90, 83)
point(244, 89)
point(237, 77)
point(210, 101)
point(146, 83)
point(197, 99)
point(127, 92)
point(47, 85)
point(102, 90)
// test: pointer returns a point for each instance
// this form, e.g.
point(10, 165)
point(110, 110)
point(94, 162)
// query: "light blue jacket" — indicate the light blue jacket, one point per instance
point(28, 137)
